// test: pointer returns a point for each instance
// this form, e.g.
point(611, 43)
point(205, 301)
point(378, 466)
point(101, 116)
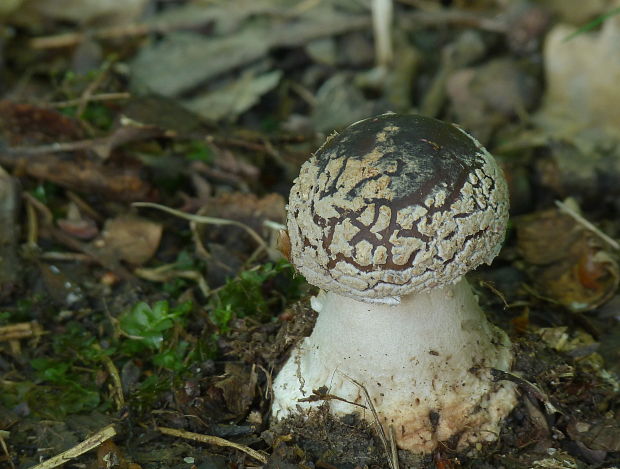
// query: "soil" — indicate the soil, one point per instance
point(146, 303)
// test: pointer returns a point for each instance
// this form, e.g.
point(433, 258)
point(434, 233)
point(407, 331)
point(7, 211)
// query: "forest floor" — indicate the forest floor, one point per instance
point(147, 148)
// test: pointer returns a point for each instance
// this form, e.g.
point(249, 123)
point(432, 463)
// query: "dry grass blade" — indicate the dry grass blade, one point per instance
point(206, 220)
point(117, 384)
point(88, 444)
point(167, 272)
point(213, 440)
point(91, 99)
point(5, 448)
point(571, 212)
point(529, 388)
point(389, 443)
point(22, 330)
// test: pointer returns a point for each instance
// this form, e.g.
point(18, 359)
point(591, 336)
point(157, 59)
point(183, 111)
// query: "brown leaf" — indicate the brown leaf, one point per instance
point(130, 238)
point(601, 436)
point(47, 145)
point(238, 388)
point(26, 124)
point(109, 455)
point(9, 236)
point(566, 262)
point(83, 228)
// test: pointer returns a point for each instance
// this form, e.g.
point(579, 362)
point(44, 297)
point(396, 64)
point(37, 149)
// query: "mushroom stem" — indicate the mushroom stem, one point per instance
point(424, 362)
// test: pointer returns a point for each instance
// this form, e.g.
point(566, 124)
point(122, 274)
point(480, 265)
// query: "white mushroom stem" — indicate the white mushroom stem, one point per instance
point(425, 364)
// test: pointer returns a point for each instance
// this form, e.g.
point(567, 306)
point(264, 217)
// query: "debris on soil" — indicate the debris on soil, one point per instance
point(568, 263)
point(138, 337)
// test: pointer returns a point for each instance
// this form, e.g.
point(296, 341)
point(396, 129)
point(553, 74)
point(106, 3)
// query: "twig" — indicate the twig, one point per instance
point(493, 289)
point(269, 385)
point(321, 394)
point(21, 330)
point(91, 98)
point(452, 17)
point(5, 448)
point(55, 147)
point(116, 378)
point(90, 443)
point(71, 39)
point(530, 388)
point(394, 450)
point(83, 174)
point(564, 208)
point(213, 440)
point(90, 89)
point(167, 272)
point(66, 257)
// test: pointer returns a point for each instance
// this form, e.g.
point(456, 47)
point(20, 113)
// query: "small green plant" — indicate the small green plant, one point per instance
point(254, 292)
point(145, 326)
point(64, 384)
point(45, 191)
point(64, 392)
point(593, 24)
point(199, 151)
point(184, 261)
point(148, 328)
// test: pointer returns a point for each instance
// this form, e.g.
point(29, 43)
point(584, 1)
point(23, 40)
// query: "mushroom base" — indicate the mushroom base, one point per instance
point(425, 364)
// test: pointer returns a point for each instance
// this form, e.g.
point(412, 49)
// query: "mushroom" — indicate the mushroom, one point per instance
point(386, 218)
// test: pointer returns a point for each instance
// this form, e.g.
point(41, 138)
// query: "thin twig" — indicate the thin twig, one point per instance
point(88, 444)
point(66, 257)
point(56, 147)
point(116, 378)
point(167, 272)
point(113, 32)
point(321, 394)
point(213, 440)
point(394, 450)
point(564, 208)
point(498, 293)
point(5, 448)
point(452, 17)
point(91, 98)
point(22, 330)
point(526, 386)
point(90, 89)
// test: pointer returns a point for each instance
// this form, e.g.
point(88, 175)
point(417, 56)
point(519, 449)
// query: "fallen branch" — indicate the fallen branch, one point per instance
point(22, 330)
point(90, 443)
point(81, 176)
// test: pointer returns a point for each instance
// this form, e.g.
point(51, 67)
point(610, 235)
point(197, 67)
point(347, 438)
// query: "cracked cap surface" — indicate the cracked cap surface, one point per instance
point(393, 205)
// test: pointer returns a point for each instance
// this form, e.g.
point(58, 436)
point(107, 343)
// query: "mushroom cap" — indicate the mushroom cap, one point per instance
point(393, 205)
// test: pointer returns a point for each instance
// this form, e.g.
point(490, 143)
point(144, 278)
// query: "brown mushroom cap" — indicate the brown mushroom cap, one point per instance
point(393, 205)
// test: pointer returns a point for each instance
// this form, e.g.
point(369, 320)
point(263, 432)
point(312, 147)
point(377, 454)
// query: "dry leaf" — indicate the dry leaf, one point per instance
point(582, 76)
point(566, 262)
point(130, 238)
